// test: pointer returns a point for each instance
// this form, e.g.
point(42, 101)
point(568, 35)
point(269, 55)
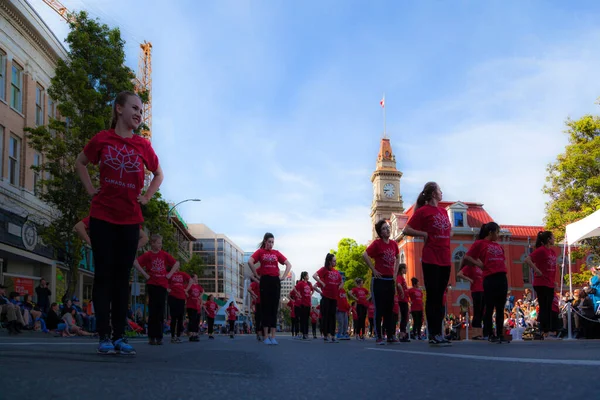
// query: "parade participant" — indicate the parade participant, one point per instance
point(304, 291)
point(402, 290)
point(395, 318)
point(314, 317)
point(232, 313)
point(430, 221)
point(255, 293)
point(371, 316)
point(178, 283)
point(474, 276)
point(156, 266)
point(115, 214)
point(292, 306)
point(295, 296)
point(354, 320)
point(270, 283)
point(361, 295)
point(343, 309)
point(211, 308)
point(331, 281)
point(193, 305)
point(543, 263)
point(416, 307)
point(488, 255)
point(385, 270)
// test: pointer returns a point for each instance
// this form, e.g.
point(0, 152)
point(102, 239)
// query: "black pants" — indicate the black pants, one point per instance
point(157, 296)
point(361, 310)
point(294, 323)
point(257, 318)
point(270, 290)
point(478, 307)
point(211, 325)
point(297, 310)
point(403, 316)
point(371, 326)
point(545, 298)
point(194, 320)
point(435, 278)
point(114, 247)
point(417, 317)
point(303, 319)
point(177, 310)
point(328, 311)
point(314, 329)
point(231, 327)
point(383, 293)
point(495, 288)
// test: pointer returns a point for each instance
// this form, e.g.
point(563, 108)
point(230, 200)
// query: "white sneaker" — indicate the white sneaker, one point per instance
point(274, 342)
point(268, 341)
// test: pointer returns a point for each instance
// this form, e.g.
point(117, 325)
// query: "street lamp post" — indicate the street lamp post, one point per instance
point(181, 202)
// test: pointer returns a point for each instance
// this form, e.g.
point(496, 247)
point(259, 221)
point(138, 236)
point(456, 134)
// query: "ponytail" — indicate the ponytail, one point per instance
point(488, 228)
point(542, 238)
point(426, 194)
point(328, 259)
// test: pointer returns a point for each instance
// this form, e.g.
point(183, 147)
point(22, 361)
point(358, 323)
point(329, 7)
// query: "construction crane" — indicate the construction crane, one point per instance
point(143, 81)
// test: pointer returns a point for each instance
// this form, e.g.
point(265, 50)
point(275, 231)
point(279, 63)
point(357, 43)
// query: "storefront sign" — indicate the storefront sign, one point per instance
point(23, 286)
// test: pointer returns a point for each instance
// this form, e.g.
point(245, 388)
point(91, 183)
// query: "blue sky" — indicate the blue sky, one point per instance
point(268, 111)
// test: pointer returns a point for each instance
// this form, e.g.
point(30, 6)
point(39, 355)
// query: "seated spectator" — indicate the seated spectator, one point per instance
point(31, 312)
point(54, 322)
point(584, 310)
point(72, 327)
point(91, 317)
point(12, 312)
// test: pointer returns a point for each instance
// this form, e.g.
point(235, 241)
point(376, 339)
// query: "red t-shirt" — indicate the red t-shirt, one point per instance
point(178, 284)
point(268, 260)
point(491, 255)
point(332, 280)
point(416, 299)
point(292, 295)
point(354, 313)
point(231, 313)
point(555, 303)
point(404, 298)
point(342, 301)
point(385, 255)
point(545, 259)
point(371, 311)
point(434, 221)
point(476, 274)
point(255, 288)
point(305, 290)
point(314, 316)
point(122, 162)
point(194, 295)
point(361, 294)
point(155, 265)
point(396, 308)
point(291, 304)
point(211, 308)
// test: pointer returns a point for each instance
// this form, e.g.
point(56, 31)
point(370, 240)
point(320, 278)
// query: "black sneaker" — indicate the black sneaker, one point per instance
point(494, 339)
point(211, 337)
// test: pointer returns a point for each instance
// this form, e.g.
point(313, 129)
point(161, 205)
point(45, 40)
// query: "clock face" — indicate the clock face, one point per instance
point(389, 190)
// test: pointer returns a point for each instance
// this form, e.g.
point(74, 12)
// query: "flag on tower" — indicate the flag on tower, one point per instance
point(382, 102)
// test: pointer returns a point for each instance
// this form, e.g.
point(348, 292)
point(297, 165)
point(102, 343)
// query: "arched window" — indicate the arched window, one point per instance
point(457, 257)
point(526, 269)
point(464, 305)
point(402, 258)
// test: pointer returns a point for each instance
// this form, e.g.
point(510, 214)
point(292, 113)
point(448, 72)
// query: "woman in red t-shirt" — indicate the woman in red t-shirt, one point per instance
point(343, 309)
point(210, 308)
point(116, 214)
point(179, 283)
point(232, 313)
point(385, 270)
point(416, 307)
point(488, 255)
point(270, 283)
point(156, 266)
point(303, 291)
point(430, 221)
point(402, 290)
point(362, 296)
point(474, 275)
point(543, 263)
point(331, 281)
point(193, 306)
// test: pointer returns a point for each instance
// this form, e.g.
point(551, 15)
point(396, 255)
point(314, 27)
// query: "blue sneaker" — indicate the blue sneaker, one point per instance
point(106, 346)
point(123, 347)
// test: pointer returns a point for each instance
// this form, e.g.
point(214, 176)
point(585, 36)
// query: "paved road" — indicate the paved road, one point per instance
point(35, 366)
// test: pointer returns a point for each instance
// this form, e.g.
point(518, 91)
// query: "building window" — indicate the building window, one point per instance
point(457, 259)
point(2, 75)
point(16, 100)
point(526, 273)
point(1, 151)
point(37, 162)
point(39, 105)
point(14, 158)
point(459, 221)
point(402, 258)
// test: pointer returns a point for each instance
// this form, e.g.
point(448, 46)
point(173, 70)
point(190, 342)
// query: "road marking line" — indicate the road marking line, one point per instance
point(95, 343)
point(491, 358)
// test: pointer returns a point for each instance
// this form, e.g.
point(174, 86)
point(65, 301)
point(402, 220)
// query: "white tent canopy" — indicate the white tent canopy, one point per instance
point(583, 229)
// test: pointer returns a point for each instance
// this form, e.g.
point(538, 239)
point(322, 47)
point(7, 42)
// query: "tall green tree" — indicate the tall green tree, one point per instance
point(84, 86)
point(349, 257)
point(581, 278)
point(194, 266)
point(573, 181)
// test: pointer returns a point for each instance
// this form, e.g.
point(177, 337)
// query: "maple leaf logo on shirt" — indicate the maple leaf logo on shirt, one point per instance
point(158, 267)
point(122, 160)
point(441, 222)
point(495, 251)
point(552, 262)
point(389, 258)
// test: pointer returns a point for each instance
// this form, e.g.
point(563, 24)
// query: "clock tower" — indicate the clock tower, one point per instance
point(386, 185)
